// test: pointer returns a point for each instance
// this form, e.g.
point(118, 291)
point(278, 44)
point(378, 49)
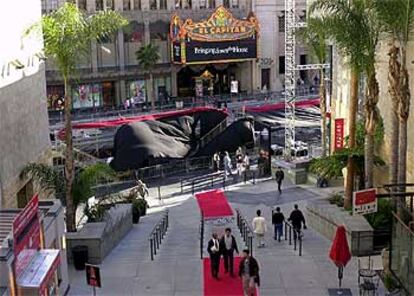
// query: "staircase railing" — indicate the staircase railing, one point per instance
point(213, 133)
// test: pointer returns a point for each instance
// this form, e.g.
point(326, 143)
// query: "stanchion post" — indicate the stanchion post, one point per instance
point(300, 245)
point(295, 238)
point(290, 235)
point(254, 178)
point(251, 244)
point(192, 187)
point(181, 185)
point(286, 226)
point(245, 176)
point(151, 249)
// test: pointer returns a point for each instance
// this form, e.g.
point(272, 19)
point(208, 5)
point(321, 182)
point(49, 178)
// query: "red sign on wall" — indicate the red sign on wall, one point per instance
point(339, 133)
point(365, 201)
point(26, 234)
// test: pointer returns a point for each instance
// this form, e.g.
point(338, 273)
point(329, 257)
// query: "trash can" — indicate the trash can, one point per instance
point(80, 257)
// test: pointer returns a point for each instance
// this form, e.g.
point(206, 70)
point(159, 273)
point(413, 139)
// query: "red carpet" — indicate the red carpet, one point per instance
point(227, 285)
point(214, 204)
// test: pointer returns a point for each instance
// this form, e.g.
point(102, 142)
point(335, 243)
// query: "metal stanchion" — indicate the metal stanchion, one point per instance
point(155, 244)
point(251, 244)
point(290, 235)
point(300, 245)
point(286, 226)
point(151, 249)
point(192, 187)
point(181, 184)
point(295, 237)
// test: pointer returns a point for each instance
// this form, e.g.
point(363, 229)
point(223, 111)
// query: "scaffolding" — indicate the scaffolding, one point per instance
point(291, 24)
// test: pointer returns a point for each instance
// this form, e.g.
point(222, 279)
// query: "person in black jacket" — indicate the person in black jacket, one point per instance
point(249, 272)
point(228, 245)
point(297, 219)
point(277, 220)
point(213, 249)
point(279, 176)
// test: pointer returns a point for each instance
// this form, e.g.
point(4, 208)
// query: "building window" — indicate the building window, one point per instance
point(104, 5)
point(183, 4)
point(282, 65)
point(126, 5)
point(49, 6)
point(282, 23)
point(137, 4)
point(163, 4)
point(82, 4)
point(153, 4)
point(209, 4)
point(231, 3)
point(87, 95)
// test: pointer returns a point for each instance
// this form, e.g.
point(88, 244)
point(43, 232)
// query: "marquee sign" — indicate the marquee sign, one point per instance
point(220, 38)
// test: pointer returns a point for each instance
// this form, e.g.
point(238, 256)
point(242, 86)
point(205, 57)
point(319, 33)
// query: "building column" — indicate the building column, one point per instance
point(121, 50)
point(90, 5)
point(94, 56)
point(196, 4)
point(118, 5)
point(254, 77)
point(174, 90)
point(219, 2)
point(147, 36)
point(122, 90)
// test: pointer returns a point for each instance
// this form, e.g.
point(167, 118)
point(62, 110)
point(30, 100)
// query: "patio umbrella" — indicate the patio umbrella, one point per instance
point(340, 253)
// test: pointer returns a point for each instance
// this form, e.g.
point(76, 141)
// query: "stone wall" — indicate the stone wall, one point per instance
point(24, 130)
point(325, 218)
point(102, 237)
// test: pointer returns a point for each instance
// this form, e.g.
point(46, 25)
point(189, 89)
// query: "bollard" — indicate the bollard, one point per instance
point(155, 244)
point(251, 244)
point(290, 235)
point(159, 192)
point(286, 231)
point(245, 176)
point(151, 250)
point(300, 245)
point(159, 235)
point(295, 237)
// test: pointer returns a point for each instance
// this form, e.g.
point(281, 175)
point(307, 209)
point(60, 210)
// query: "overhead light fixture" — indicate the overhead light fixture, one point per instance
point(17, 64)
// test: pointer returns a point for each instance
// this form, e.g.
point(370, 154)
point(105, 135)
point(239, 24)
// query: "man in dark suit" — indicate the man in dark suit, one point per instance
point(213, 249)
point(228, 245)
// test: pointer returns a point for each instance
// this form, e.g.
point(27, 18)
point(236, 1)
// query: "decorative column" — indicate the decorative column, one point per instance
point(121, 50)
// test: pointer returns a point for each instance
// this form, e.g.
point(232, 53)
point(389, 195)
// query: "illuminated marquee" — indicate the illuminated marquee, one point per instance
point(220, 38)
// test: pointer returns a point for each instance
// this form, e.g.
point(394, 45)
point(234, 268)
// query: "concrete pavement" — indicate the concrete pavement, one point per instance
point(177, 269)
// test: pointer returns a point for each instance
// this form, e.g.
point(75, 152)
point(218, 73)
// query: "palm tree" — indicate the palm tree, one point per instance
point(372, 30)
point(67, 35)
point(397, 16)
point(52, 181)
point(314, 35)
point(147, 57)
point(346, 24)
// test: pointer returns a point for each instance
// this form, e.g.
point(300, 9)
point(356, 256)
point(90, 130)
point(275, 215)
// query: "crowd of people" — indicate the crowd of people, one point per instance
point(223, 160)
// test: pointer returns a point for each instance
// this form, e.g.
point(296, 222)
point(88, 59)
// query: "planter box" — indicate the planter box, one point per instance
point(102, 237)
point(325, 218)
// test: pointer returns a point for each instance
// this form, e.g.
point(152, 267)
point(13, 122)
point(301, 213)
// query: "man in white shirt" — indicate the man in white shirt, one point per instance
point(259, 228)
point(213, 249)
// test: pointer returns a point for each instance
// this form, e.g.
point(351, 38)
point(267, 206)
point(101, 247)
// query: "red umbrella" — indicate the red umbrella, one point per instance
point(340, 253)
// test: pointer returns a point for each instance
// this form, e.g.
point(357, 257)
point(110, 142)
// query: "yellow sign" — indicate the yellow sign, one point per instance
point(221, 26)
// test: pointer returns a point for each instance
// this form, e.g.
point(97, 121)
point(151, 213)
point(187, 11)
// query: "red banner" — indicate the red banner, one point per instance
point(26, 234)
point(339, 133)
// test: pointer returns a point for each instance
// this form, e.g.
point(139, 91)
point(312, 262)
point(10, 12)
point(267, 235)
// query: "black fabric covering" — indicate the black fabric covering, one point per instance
point(238, 134)
point(139, 144)
point(145, 143)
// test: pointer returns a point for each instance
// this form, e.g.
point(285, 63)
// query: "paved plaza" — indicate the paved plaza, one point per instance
point(177, 268)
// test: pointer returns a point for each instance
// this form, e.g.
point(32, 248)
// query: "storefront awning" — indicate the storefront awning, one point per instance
point(40, 269)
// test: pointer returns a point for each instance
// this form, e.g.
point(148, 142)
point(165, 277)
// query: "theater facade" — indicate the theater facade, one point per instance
point(214, 56)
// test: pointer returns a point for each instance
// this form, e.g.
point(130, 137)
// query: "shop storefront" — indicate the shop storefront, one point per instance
point(93, 95)
point(217, 53)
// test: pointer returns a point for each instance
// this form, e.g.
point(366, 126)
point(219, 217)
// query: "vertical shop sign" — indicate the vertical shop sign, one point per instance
point(339, 133)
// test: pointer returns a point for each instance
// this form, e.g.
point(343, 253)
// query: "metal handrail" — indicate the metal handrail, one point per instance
point(245, 230)
point(297, 236)
point(213, 133)
point(201, 235)
point(157, 234)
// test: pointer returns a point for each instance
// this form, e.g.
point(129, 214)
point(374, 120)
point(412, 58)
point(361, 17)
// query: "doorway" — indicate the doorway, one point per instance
point(265, 79)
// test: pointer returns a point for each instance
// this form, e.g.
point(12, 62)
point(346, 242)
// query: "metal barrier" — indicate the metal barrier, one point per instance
point(203, 181)
point(297, 236)
point(245, 230)
point(201, 235)
point(157, 234)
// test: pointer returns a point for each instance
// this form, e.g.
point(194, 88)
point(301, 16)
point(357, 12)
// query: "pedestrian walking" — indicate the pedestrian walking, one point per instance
point(259, 228)
point(297, 219)
point(216, 161)
point(213, 249)
point(277, 220)
point(228, 246)
point(249, 272)
point(227, 164)
point(279, 176)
